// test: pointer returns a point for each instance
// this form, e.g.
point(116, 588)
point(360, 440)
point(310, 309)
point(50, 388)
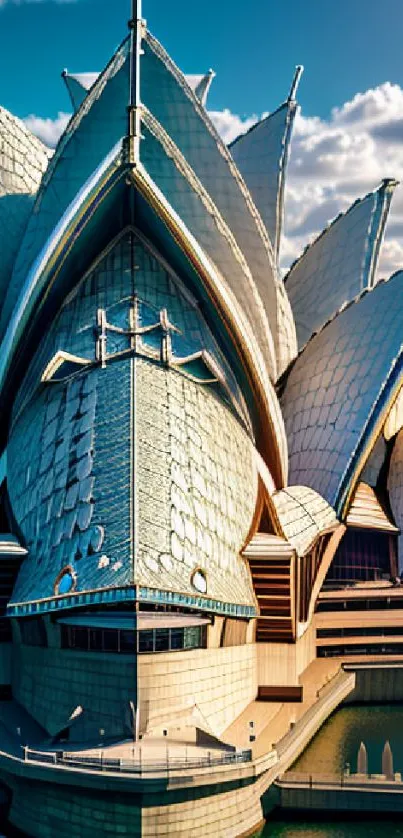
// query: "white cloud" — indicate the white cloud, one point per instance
point(48, 130)
point(335, 161)
point(229, 125)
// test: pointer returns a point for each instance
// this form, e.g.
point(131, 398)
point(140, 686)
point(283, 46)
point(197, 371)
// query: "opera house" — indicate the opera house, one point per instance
point(201, 463)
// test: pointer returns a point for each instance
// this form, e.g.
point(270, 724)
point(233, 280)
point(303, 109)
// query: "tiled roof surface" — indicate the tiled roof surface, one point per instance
point(23, 161)
point(339, 264)
point(261, 156)
point(303, 515)
point(132, 445)
point(338, 388)
point(90, 136)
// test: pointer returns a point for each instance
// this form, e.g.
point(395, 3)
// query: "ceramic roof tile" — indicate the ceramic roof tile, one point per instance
point(78, 85)
point(72, 488)
point(169, 98)
point(339, 387)
point(23, 161)
point(185, 193)
point(339, 264)
point(303, 515)
point(395, 489)
point(94, 130)
point(261, 156)
point(201, 84)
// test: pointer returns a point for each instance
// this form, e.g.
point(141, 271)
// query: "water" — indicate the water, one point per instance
point(333, 747)
point(336, 829)
point(338, 741)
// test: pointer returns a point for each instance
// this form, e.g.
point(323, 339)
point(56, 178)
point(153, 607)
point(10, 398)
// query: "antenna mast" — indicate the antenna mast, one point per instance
point(134, 116)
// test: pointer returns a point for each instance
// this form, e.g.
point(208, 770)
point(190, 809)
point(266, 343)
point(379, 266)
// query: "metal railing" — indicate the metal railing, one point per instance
point(341, 780)
point(135, 765)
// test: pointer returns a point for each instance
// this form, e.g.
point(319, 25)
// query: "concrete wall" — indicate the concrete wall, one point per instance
point(341, 800)
point(216, 684)
point(283, 663)
point(43, 810)
point(46, 810)
point(51, 683)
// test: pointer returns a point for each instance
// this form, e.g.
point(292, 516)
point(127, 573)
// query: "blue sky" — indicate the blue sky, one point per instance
point(348, 134)
point(346, 47)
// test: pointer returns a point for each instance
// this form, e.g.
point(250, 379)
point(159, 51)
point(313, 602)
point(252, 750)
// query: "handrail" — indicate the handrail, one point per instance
point(132, 766)
point(342, 780)
point(327, 692)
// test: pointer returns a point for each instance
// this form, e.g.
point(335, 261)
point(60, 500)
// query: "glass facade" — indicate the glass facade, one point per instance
point(362, 555)
point(362, 604)
point(357, 631)
point(124, 641)
point(345, 651)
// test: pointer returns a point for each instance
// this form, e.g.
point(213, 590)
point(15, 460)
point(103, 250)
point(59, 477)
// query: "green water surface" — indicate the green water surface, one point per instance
point(333, 747)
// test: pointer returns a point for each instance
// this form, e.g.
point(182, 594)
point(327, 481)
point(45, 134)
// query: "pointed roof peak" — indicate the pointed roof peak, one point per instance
point(295, 82)
point(135, 25)
point(200, 84)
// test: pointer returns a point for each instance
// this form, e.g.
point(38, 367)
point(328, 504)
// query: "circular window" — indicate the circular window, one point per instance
point(199, 580)
point(66, 581)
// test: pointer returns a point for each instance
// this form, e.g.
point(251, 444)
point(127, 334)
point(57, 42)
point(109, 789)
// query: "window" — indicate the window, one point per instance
point(161, 640)
point(146, 641)
point(345, 651)
point(370, 631)
point(199, 580)
point(66, 581)
point(110, 640)
point(128, 642)
point(192, 637)
point(362, 555)
point(177, 637)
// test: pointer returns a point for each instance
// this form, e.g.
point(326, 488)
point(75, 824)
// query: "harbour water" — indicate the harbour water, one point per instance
point(335, 746)
point(338, 741)
point(332, 829)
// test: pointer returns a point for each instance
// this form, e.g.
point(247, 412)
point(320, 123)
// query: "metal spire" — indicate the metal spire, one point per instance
point(295, 82)
point(134, 118)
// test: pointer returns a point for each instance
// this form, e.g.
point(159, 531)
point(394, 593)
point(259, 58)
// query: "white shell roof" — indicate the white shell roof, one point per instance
point(339, 264)
point(303, 515)
point(261, 156)
point(167, 95)
point(23, 160)
point(78, 85)
point(101, 122)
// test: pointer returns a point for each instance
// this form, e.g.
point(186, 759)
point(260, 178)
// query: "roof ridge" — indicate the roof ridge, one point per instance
point(261, 121)
point(222, 148)
point(385, 184)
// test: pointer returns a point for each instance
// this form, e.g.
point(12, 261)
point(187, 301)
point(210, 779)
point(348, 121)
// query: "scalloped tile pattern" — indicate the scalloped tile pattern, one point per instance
point(71, 450)
point(333, 389)
point(338, 265)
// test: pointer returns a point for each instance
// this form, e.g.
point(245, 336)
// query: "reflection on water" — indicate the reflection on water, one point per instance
point(338, 740)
